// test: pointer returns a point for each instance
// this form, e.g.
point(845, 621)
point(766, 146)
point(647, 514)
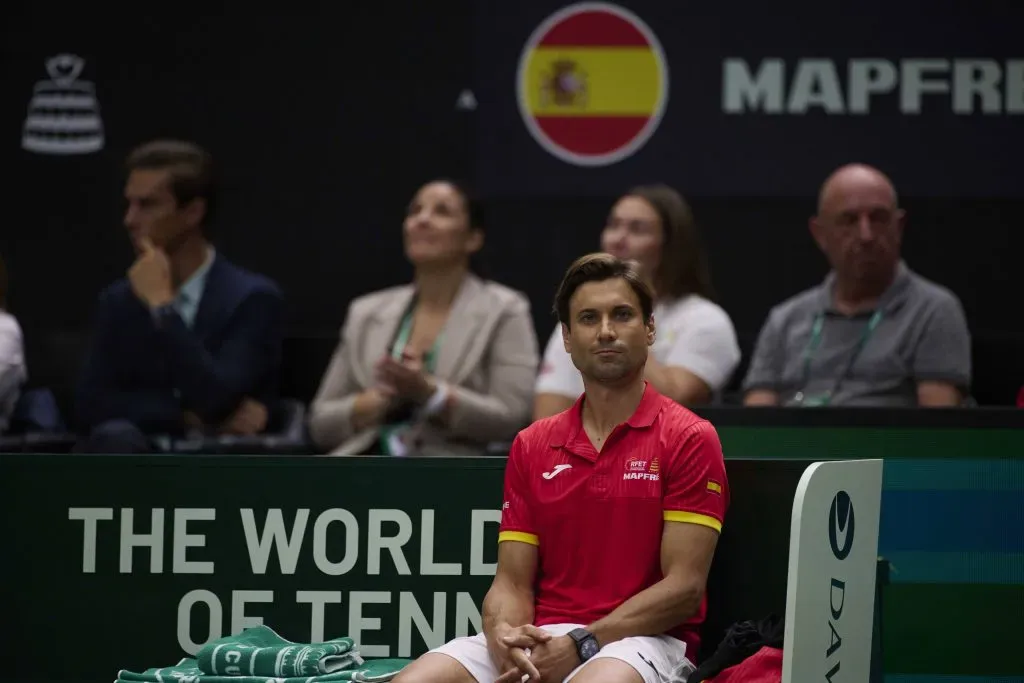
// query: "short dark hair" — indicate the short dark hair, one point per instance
point(190, 167)
point(474, 207)
point(598, 267)
point(684, 265)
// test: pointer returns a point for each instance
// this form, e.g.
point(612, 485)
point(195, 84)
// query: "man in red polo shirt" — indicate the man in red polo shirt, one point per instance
point(610, 520)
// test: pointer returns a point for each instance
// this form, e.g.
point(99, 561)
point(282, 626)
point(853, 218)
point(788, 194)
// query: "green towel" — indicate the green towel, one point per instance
point(188, 671)
point(259, 651)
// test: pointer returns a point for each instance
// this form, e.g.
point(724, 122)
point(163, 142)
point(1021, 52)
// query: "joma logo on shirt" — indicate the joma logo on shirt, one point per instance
point(646, 476)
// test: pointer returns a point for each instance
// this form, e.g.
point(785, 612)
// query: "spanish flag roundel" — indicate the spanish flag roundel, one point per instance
point(592, 84)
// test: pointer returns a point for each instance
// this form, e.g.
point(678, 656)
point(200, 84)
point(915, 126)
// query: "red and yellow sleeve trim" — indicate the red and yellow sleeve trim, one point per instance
point(693, 518)
point(520, 536)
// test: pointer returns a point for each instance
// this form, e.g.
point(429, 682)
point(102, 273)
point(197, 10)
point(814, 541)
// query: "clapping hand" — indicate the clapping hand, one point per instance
point(405, 379)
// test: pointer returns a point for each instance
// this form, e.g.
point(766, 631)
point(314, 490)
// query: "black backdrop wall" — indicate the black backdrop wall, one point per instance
point(324, 123)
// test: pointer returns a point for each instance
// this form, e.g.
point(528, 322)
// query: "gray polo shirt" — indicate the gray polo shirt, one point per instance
point(920, 333)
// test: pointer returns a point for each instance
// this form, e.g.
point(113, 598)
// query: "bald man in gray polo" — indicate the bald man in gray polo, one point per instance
point(874, 333)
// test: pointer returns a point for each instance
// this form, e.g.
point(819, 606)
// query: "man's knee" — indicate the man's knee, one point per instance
point(434, 667)
point(607, 670)
point(115, 436)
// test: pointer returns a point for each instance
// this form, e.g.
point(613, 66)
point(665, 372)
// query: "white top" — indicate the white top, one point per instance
point(12, 366)
point(692, 333)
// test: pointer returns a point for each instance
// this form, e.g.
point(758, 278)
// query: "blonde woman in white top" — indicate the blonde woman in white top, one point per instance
point(695, 351)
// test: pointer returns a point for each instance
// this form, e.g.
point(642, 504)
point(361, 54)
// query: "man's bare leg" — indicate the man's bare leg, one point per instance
point(435, 667)
point(607, 670)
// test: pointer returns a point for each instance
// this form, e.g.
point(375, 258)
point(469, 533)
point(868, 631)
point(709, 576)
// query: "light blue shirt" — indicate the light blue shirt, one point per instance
point(186, 302)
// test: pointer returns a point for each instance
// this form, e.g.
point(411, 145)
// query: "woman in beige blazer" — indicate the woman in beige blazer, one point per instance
point(441, 367)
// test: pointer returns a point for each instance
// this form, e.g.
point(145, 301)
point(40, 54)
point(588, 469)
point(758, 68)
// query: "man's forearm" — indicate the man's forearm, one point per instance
point(650, 612)
point(679, 384)
point(761, 397)
point(205, 387)
point(505, 605)
point(658, 375)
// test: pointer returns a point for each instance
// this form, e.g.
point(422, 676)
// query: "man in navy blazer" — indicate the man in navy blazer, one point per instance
point(187, 342)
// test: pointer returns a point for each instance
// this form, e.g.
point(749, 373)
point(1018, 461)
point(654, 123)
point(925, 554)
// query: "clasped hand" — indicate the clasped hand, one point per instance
point(534, 653)
point(249, 418)
point(404, 379)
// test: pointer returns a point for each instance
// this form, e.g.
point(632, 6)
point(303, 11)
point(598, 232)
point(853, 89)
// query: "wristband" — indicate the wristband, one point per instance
point(437, 400)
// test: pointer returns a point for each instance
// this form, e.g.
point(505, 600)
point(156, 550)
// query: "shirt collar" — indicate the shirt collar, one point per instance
point(571, 423)
point(191, 290)
point(892, 298)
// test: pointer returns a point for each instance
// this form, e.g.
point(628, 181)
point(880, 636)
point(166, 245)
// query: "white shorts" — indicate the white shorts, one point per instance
point(658, 659)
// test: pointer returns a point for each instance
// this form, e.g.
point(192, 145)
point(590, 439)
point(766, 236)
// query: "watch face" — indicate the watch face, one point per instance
point(589, 648)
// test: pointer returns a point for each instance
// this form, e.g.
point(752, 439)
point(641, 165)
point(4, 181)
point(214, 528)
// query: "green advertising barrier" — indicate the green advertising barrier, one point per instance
point(952, 525)
point(398, 553)
point(129, 562)
point(132, 561)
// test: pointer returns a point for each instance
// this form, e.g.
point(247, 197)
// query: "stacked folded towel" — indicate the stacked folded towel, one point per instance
point(259, 655)
point(187, 671)
point(261, 651)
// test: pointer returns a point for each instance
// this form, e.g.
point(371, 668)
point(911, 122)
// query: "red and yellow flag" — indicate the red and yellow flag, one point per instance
point(592, 84)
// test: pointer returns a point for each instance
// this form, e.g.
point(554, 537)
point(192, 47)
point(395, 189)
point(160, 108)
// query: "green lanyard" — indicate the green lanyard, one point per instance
point(397, 351)
point(402, 340)
point(815, 342)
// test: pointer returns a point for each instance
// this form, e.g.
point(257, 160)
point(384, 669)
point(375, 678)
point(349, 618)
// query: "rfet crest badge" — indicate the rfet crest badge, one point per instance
point(565, 85)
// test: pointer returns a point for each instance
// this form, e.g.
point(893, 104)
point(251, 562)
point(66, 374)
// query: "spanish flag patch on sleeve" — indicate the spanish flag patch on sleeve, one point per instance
point(714, 487)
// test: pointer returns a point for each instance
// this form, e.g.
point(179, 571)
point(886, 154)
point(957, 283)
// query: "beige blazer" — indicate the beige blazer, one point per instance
point(488, 356)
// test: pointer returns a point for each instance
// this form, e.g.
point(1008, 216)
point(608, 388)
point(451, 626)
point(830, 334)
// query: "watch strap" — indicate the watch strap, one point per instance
point(161, 312)
point(586, 643)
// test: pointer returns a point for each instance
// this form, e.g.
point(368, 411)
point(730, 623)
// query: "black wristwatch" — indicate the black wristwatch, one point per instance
point(161, 313)
point(586, 643)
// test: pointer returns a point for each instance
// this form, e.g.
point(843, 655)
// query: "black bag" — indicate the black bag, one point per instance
point(743, 639)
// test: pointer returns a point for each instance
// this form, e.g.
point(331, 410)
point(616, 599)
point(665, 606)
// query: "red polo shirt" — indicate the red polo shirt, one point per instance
point(598, 518)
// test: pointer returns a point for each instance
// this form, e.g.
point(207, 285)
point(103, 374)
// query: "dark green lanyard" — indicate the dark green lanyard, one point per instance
point(402, 340)
point(397, 350)
point(815, 342)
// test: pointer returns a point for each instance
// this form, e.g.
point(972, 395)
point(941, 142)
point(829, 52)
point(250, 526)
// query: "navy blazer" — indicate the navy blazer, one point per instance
point(150, 376)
